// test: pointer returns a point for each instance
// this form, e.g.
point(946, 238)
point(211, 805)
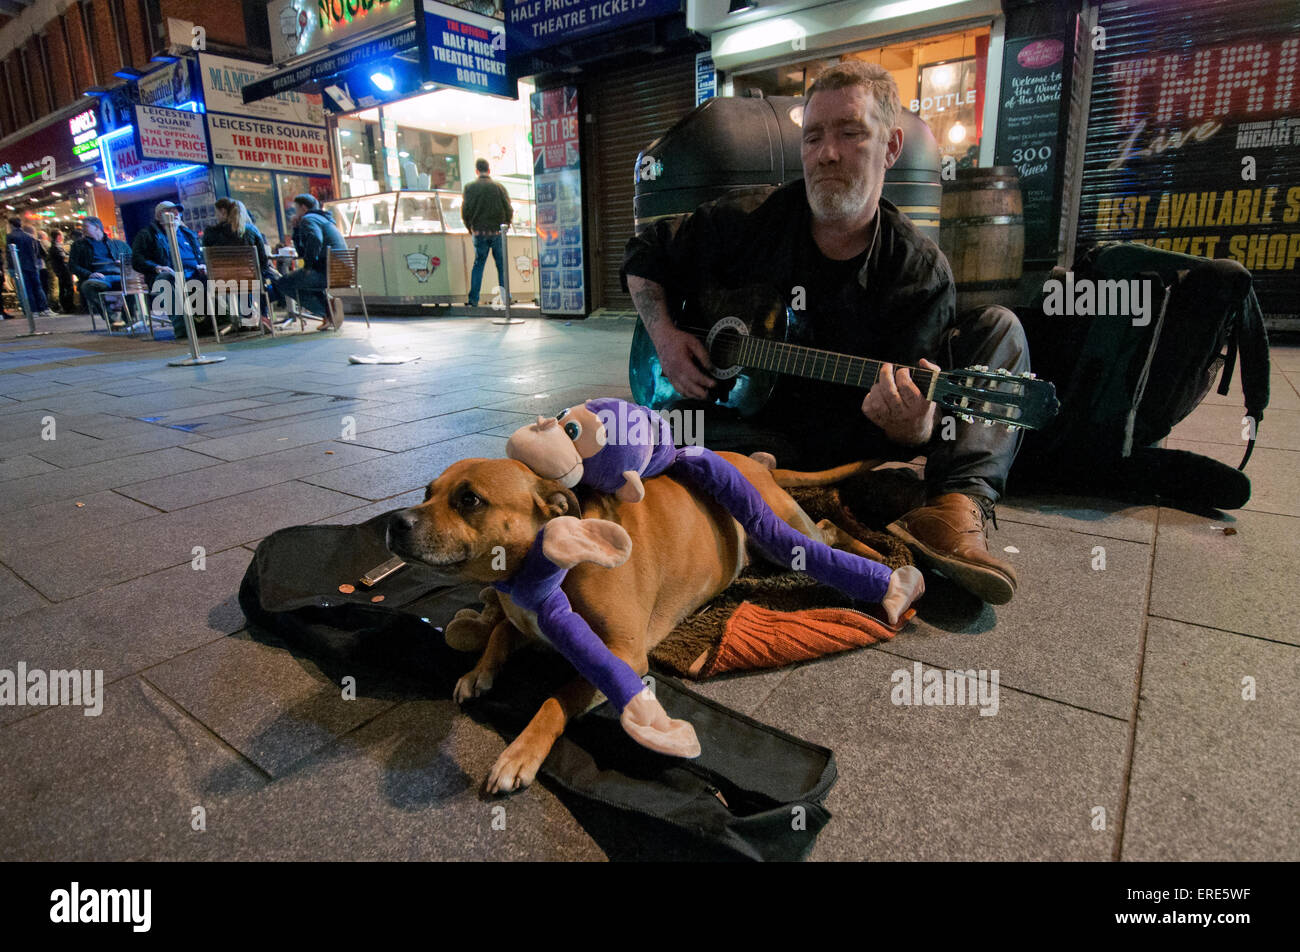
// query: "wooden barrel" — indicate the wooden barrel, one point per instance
point(982, 233)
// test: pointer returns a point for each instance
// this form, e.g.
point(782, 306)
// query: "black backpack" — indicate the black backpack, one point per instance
point(754, 793)
point(1124, 387)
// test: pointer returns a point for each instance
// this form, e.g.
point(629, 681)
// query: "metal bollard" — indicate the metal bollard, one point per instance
point(20, 289)
point(505, 270)
point(178, 272)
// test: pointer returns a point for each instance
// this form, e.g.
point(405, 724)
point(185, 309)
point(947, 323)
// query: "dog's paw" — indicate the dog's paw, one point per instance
point(516, 768)
point(473, 684)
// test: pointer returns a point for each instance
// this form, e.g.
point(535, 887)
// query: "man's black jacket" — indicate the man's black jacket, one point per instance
point(910, 297)
point(150, 250)
point(89, 256)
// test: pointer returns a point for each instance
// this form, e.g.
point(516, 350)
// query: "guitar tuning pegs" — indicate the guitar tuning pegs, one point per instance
point(966, 418)
point(980, 367)
point(1004, 372)
point(1010, 428)
point(1028, 376)
point(988, 422)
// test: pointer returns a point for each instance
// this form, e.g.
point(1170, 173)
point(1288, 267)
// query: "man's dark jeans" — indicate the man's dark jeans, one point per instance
point(977, 461)
point(482, 245)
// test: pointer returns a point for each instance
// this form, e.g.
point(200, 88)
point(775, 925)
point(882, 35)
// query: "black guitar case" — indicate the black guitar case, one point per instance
point(754, 793)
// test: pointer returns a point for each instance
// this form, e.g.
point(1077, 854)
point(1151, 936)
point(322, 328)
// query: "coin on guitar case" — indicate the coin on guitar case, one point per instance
point(347, 589)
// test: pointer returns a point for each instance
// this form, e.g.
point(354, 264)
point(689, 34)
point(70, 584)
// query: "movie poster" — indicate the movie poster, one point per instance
point(1194, 146)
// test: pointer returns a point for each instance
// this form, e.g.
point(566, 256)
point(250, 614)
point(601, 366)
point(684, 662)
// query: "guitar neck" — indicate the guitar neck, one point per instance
point(825, 365)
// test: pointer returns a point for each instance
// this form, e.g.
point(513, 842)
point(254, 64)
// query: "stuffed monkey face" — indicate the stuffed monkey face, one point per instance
point(584, 428)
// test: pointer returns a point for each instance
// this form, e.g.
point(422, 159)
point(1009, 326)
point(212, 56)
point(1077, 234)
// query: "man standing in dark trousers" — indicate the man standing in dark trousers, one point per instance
point(29, 263)
point(484, 208)
point(870, 285)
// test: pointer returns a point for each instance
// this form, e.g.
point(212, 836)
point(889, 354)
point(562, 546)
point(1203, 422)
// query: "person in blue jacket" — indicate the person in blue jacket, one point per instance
point(151, 256)
point(314, 233)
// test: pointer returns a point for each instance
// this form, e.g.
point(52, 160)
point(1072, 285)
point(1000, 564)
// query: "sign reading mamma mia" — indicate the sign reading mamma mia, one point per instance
point(224, 80)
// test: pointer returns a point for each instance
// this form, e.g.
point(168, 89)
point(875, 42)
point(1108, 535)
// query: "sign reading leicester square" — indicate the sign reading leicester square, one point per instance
point(256, 143)
point(1194, 146)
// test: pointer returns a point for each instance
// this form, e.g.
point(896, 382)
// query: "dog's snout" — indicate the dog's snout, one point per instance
point(403, 523)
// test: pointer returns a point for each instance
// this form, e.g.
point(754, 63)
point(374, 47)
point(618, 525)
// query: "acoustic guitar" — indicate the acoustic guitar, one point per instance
point(751, 337)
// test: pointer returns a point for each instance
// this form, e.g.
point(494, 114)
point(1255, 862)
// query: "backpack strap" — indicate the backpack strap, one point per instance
point(1251, 340)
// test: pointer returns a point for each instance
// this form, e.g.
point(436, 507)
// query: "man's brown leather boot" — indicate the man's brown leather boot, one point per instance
point(948, 534)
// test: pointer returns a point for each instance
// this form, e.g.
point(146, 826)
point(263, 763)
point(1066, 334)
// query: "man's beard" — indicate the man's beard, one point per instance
point(838, 200)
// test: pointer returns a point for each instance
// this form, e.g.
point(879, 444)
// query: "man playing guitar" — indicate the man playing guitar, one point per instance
point(872, 286)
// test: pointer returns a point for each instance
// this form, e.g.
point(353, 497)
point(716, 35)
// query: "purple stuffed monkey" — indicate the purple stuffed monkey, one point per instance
point(615, 445)
point(535, 587)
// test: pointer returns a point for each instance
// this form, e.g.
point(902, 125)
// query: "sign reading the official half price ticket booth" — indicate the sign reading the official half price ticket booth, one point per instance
point(467, 56)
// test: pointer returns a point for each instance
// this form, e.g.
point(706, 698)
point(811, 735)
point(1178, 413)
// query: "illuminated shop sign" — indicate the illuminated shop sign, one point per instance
point(84, 128)
point(301, 26)
point(125, 167)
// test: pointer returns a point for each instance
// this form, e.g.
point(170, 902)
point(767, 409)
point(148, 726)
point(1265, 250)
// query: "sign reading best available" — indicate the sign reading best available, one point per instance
point(171, 135)
point(258, 144)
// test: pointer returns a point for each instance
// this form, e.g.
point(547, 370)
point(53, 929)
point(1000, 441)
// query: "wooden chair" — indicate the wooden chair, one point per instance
point(238, 263)
point(341, 275)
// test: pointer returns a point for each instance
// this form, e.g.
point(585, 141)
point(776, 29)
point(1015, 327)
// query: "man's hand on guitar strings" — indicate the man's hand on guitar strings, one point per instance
point(685, 362)
point(896, 405)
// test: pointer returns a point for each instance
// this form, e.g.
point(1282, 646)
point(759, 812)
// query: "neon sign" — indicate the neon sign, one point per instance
point(85, 135)
point(330, 13)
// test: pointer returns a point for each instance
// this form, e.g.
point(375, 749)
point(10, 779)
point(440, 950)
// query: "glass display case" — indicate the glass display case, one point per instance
point(416, 213)
point(413, 247)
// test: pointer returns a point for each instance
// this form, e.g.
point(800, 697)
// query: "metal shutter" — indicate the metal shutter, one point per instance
point(630, 108)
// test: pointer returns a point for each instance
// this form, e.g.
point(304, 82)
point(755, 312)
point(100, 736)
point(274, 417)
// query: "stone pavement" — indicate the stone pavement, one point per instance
point(1121, 689)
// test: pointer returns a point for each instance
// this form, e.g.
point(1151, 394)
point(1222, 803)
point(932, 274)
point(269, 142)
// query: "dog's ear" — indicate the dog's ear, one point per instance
point(554, 499)
point(567, 542)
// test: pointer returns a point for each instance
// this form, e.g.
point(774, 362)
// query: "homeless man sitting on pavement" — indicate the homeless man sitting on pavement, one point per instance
point(314, 233)
point(875, 287)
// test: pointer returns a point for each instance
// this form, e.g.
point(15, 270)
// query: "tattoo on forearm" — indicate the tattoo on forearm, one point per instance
point(651, 305)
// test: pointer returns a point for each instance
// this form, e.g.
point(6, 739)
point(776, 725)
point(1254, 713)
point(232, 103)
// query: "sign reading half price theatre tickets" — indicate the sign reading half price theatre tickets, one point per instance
point(1194, 139)
point(537, 24)
point(258, 144)
point(172, 135)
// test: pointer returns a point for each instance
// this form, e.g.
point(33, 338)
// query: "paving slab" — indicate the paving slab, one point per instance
point(549, 403)
point(49, 487)
point(1280, 429)
point(108, 556)
point(16, 596)
point(118, 787)
point(270, 436)
point(406, 436)
point(129, 627)
point(54, 522)
point(242, 476)
point(259, 699)
point(1281, 395)
point(421, 408)
point(19, 466)
point(1072, 633)
point(83, 452)
point(1214, 774)
point(1083, 514)
point(402, 472)
point(945, 782)
point(1244, 582)
point(1274, 474)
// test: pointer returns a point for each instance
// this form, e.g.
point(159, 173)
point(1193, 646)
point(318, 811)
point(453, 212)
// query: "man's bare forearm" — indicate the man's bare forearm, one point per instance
point(651, 303)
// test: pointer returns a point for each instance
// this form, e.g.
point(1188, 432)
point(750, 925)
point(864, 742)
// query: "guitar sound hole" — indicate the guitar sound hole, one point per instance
point(726, 348)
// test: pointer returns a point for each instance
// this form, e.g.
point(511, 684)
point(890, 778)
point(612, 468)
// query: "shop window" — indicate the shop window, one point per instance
point(254, 189)
point(938, 79)
point(361, 172)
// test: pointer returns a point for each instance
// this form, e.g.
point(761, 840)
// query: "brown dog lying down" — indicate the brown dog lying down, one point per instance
point(685, 551)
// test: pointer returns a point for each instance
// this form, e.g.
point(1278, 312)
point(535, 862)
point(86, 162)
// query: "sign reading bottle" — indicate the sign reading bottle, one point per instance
point(301, 26)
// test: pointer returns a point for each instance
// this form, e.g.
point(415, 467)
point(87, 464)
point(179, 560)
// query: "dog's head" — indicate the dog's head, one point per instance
point(479, 519)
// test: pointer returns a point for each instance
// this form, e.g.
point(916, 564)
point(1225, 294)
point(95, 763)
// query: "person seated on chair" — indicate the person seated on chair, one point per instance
point(314, 234)
point(234, 228)
point(869, 284)
point(151, 255)
point(96, 260)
